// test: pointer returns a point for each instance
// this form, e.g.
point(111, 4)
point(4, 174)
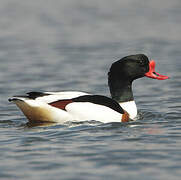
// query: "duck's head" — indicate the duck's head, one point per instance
point(133, 67)
point(123, 72)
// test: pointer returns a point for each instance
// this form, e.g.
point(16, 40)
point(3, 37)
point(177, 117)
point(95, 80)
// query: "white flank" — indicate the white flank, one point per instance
point(130, 107)
point(82, 111)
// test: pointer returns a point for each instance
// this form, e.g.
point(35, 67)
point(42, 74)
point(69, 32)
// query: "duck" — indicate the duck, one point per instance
point(78, 106)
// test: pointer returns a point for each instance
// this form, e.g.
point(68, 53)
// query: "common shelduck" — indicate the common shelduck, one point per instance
point(80, 106)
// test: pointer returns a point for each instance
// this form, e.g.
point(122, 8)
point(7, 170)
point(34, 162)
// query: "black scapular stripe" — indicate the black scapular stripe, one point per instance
point(34, 95)
point(101, 100)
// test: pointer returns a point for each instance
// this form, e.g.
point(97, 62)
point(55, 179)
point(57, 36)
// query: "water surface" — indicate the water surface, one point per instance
point(70, 45)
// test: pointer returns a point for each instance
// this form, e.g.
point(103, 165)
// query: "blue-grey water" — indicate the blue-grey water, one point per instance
point(69, 45)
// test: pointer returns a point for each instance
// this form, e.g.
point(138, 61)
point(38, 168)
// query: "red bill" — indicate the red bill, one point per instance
point(153, 74)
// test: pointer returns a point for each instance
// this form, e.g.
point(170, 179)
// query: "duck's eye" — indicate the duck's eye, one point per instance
point(141, 62)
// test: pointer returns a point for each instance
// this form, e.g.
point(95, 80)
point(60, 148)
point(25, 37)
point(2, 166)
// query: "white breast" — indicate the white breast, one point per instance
point(130, 107)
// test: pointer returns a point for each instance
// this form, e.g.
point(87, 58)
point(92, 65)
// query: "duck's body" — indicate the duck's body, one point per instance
point(70, 106)
point(80, 106)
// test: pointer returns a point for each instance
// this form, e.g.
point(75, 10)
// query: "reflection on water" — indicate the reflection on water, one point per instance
point(70, 45)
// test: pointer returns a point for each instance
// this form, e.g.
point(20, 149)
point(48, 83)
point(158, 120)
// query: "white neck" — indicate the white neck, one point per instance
point(130, 107)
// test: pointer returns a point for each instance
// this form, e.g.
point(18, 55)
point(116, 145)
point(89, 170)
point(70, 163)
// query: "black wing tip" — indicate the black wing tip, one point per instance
point(11, 99)
point(29, 95)
point(14, 99)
